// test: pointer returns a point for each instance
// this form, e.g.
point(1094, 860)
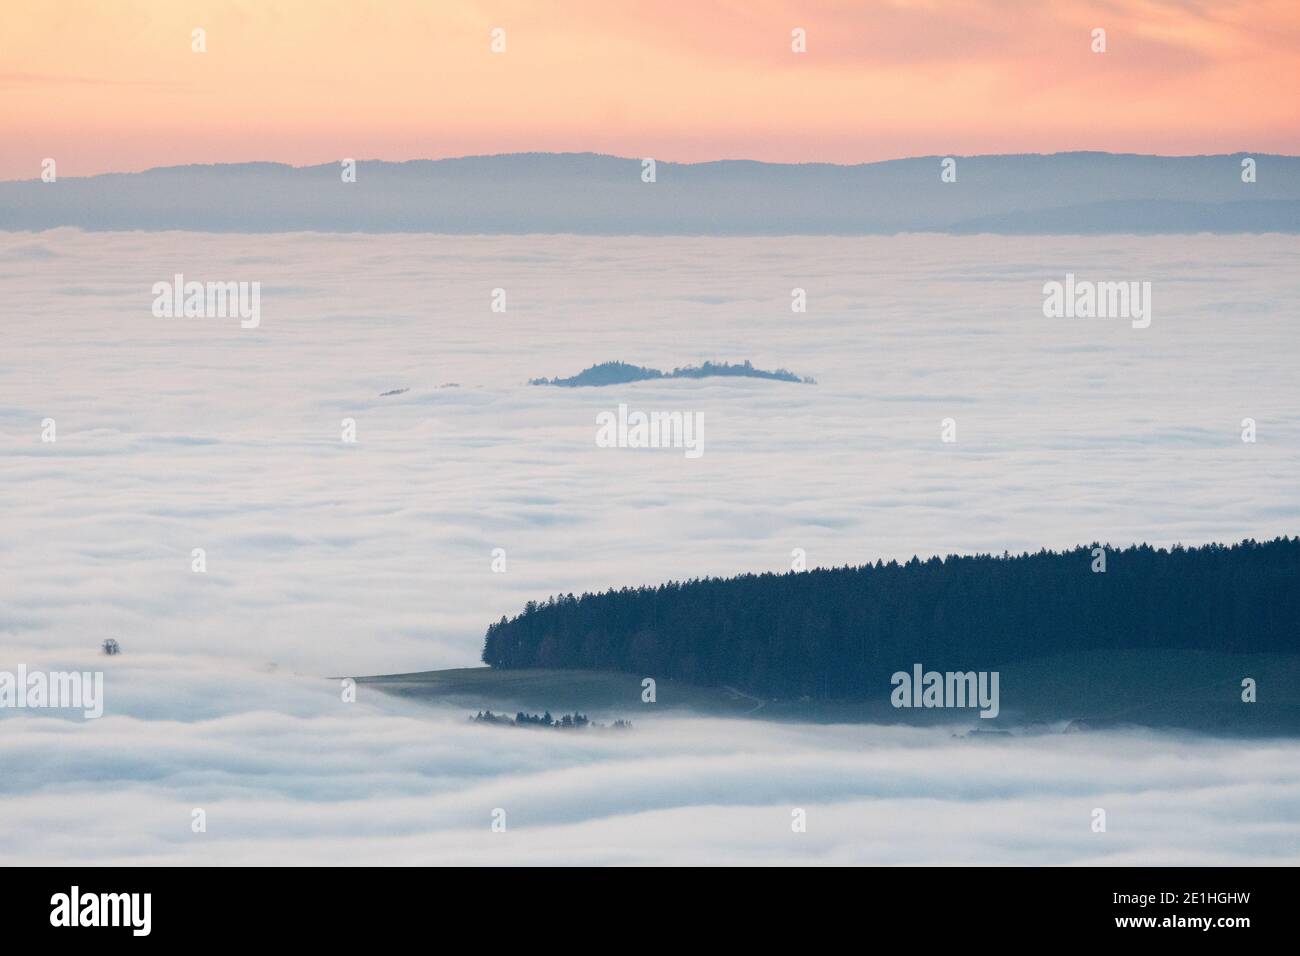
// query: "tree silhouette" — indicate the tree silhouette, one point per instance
point(825, 633)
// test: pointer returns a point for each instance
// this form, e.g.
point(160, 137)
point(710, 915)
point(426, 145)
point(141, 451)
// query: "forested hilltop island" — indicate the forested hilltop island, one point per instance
point(829, 634)
point(620, 373)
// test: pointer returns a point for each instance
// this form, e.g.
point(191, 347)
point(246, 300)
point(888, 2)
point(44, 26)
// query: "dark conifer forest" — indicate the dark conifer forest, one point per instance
point(824, 633)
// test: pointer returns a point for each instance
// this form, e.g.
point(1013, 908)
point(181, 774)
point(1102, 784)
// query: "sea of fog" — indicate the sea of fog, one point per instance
point(326, 558)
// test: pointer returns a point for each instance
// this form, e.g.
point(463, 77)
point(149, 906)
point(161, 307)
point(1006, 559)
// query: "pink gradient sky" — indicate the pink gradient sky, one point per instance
point(114, 87)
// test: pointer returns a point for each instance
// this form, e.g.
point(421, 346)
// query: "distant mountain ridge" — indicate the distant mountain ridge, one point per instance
point(588, 193)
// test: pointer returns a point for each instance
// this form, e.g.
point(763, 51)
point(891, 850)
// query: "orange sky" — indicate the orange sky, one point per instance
point(106, 86)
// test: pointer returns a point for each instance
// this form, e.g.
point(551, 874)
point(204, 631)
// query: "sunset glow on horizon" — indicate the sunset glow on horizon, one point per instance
point(117, 87)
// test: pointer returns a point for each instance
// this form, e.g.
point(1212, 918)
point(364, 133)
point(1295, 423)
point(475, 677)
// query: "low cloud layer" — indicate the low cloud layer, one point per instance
point(331, 559)
point(285, 771)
